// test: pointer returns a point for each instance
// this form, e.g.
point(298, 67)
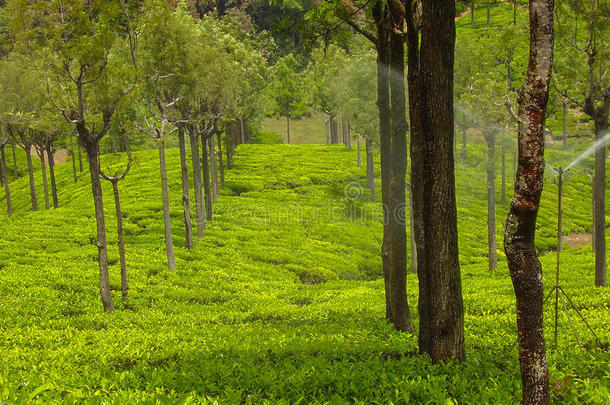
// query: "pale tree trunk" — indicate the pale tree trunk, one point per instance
point(370, 168)
point(520, 226)
point(73, 157)
point(599, 196)
point(93, 152)
point(7, 189)
point(33, 197)
point(207, 187)
point(198, 187)
point(121, 243)
point(358, 148)
point(288, 129)
point(169, 241)
point(213, 167)
point(45, 183)
point(51, 159)
point(221, 163)
point(186, 203)
point(490, 139)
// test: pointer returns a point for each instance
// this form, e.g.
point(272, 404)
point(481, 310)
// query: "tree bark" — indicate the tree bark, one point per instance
point(207, 187)
point(15, 171)
point(288, 129)
point(198, 187)
point(80, 158)
point(93, 152)
point(169, 241)
point(520, 226)
point(7, 189)
point(51, 158)
point(370, 169)
point(186, 203)
point(599, 196)
point(348, 131)
point(73, 157)
point(358, 148)
point(213, 167)
point(490, 139)
point(33, 197)
point(121, 243)
point(45, 183)
point(221, 163)
point(443, 330)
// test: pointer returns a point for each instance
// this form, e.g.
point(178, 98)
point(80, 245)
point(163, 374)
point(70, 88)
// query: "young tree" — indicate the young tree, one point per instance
point(520, 226)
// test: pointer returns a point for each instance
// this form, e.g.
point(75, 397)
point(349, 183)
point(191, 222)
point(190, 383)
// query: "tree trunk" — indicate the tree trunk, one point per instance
point(490, 138)
point(464, 138)
point(169, 241)
point(7, 190)
point(599, 196)
point(398, 245)
point(520, 226)
point(288, 129)
point(207, 187)
point(121, 243)
point(221, 163)
point(348, 131)
point(198, 187)
point(380, 15)
point(33, 197)
point(358, 148)
point(15, 171)
point(45, 184)
point(213, 167)
point(93, 153)
point(445, 323)
point(73, 157)
point(186, 203)
point(503, 196)
point(80, 158)
point(472, 12)
point(514, 12)
point(412, 230)
point(370, 168)
point(565, 125)
point(51, 158)
point(488, 14)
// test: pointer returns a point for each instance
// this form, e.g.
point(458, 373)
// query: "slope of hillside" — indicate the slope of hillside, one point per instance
point(281, 302)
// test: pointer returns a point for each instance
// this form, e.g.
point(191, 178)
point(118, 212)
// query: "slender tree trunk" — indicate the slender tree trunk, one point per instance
point(380, 15)
point(186, 203)
point(442, 270)
point(370, 168)
point(80, 159)
point(7, 190)
point(197, 181)
point(412, 231)
point(288, 129)
point(33, 197)
point(121, 243)
point(45, 183)
point(491, 201)
point(207, 187)
point(464, 138)
point(73, 157)
point(349, 134)
point(599, 196)
point(399, 127)
point(221, 163)
point(15, 171)
point(51, 157)
point(169, 241)
point(472, 13)
point(358, 140)
point(514, 12)
point(243, 131)
point(565, 125)
point(213, 167)
point(520, 226)
point(488, 14)
point(93, 153)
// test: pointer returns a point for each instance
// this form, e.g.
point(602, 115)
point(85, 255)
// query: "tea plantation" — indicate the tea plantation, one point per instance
point(281, 302)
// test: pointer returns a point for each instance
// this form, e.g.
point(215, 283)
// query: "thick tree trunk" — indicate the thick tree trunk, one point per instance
point(490, 139)
point(7, 189)
point(221, 163)
point(15, 171)
point(207, 187)
point(33, 197)
point(358, 148)
point(380, 15)
point(51, 158)
point(599, 196)
point(288, 129)
point(370, 169)
point(121, 243)
point(398, 245)
point(503, 196)
point(565, 125)
point(186, 202)
point(93, 152)
point(169, 241)
point(213, 167)
point(73, 157)
point(520, 226)
point(443, 336)
point(198, 187)
point(45, 183)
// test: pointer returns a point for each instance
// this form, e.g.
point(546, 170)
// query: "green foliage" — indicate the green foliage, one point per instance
point(288, 89)
point(266, 137)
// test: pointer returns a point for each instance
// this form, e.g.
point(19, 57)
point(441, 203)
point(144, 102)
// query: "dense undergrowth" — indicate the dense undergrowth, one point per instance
point(281, 302)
